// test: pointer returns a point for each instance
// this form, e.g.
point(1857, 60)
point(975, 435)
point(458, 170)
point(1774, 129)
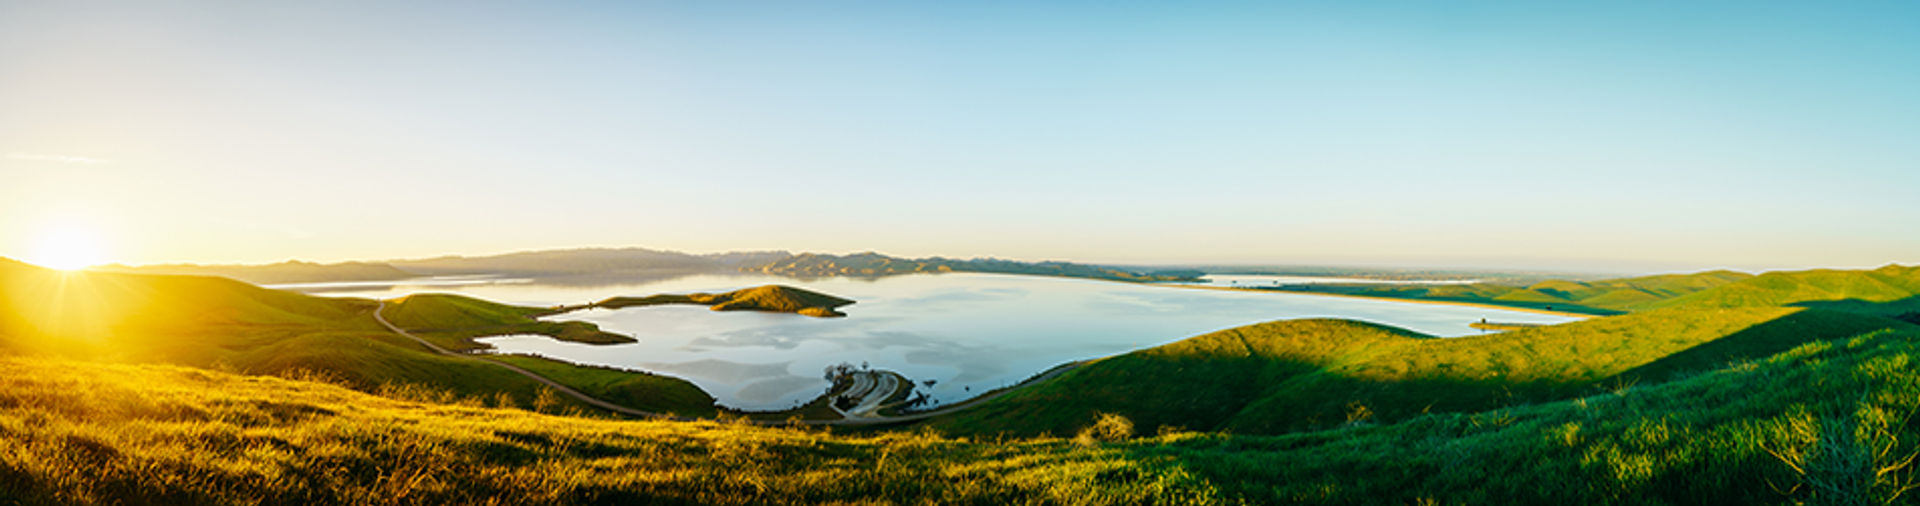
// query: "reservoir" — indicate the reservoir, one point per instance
point(956, 335)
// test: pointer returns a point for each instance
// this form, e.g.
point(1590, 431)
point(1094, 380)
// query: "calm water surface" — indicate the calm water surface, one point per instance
point(1252, 280)
point(969, 333)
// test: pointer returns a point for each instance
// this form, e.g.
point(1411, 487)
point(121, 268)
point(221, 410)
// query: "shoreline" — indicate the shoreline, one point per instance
point(1481, 305)
point(1166, 284)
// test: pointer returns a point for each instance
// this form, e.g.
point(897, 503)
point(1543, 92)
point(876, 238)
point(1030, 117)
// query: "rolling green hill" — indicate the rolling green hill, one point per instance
point(1301, 374)
point(95, 312)
point(1887, 291)
point(772, 298)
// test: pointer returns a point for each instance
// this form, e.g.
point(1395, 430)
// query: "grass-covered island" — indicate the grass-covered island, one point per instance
point(772, 298)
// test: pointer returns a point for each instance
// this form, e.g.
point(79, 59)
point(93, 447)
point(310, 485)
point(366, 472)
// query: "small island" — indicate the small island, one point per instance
point(774, 298)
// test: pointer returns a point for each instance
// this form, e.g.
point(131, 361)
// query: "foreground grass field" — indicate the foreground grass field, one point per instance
point(1828, 422)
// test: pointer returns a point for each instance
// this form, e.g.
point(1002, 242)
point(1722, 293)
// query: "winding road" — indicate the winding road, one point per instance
point(569, 391)
point(863, 412)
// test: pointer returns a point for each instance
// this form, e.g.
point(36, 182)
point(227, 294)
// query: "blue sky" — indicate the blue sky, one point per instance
point(1615, 135)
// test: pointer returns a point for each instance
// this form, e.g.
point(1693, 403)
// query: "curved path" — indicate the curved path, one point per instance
point(885, 385)
point(570, 392)
point(1055, 372)
point(856, 418)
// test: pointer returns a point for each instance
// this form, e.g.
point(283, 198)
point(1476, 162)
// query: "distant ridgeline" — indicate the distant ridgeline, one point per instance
point(875, 264)
point(583, 262)
point(292, 271)
point(601, 262)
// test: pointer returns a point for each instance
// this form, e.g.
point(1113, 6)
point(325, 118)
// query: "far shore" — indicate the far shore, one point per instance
point(1481, 305)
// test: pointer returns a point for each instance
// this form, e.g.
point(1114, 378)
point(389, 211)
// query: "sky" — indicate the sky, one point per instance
point(1636, 136)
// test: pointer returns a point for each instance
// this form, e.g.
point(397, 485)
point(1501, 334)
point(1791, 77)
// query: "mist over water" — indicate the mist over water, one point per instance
point(968, 333)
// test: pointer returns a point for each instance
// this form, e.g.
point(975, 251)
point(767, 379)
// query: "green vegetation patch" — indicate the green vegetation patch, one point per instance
point(452, 321)
point(771, 298)
point(633, 389)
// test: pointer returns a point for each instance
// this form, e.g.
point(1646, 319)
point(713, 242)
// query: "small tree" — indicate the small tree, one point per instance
point(836, 372)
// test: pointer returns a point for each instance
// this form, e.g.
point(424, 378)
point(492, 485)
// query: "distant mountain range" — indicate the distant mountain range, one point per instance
point(875, 264)
point(588, 261)
point(292, 271)
point(611, 262)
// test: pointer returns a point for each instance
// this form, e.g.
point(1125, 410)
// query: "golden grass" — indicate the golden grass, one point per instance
point(1829, 423)
point(81, 432)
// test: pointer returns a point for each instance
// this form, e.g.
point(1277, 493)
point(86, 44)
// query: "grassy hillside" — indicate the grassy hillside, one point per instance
point(1197, 383)
point(1824, 423)
point(1887, 291)
point(774, 298)
point(1301, 374)
point(637, 390)
point(94, 313)
point(223, 324)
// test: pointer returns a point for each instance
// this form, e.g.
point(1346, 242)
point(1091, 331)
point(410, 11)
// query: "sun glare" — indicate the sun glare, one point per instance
point(67, 248)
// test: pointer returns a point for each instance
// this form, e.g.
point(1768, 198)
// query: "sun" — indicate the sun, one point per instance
point(67, 248)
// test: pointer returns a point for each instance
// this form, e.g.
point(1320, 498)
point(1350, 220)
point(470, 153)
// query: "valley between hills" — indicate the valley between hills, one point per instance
point(1714, 387)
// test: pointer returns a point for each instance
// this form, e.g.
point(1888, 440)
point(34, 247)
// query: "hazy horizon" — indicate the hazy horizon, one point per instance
point(1626, 137)
point(1510, 265)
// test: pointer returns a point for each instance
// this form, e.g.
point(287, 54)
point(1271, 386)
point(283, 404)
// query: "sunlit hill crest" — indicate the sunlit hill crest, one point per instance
point(82, 310)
